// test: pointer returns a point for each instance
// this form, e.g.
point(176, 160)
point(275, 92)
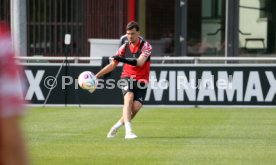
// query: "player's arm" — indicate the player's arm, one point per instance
point(108, 68)
point(111, 66)
point(131, 61)
point(141, 60)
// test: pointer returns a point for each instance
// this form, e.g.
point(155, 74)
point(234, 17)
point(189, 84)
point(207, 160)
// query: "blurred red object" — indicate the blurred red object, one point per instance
point(12, 146)
point(11, 81)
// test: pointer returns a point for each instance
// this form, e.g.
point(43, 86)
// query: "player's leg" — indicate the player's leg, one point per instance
point(135, 109)
point(137, 105)
point(127, 110)
point(139, 92)
point(139, 95)
point(125, 118)
point(128, 101)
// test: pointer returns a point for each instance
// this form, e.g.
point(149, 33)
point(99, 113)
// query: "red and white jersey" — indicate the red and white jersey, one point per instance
point(140, 73)
point(11, 98)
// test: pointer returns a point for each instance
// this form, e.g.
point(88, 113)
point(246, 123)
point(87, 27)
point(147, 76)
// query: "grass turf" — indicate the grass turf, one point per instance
point(169, 136)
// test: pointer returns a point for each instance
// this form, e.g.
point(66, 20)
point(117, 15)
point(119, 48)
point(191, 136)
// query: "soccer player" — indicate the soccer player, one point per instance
point(12, 148)
point(135, 54)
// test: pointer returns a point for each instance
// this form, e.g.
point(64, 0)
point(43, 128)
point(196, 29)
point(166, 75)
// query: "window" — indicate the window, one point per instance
point(211, 9)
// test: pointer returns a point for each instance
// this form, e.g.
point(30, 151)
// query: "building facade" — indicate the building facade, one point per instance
point(175, 28)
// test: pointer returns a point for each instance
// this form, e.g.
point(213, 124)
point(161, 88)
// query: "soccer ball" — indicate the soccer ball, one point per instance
point(87, 81)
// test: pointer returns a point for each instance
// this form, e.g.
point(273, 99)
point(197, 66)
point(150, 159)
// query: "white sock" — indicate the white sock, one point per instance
point(128, 127)
point(117, 125)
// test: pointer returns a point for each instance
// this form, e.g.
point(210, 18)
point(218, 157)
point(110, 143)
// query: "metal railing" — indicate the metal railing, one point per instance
point(156, 60)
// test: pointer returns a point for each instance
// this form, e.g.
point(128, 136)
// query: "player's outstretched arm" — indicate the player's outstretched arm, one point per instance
point(108, 68)
point(130, 61)
point(134, 62)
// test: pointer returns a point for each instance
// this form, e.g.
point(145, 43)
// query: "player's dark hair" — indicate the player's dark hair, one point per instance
point(132, 25)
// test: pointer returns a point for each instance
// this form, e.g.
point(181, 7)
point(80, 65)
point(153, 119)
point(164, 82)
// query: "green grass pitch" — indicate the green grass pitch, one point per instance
point(166, 136)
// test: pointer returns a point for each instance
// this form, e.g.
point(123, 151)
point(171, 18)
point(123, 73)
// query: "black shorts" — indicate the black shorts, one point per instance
point(139, 89)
